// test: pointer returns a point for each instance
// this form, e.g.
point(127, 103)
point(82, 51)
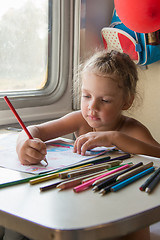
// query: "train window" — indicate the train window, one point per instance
point(36, 54)
point(23, 45)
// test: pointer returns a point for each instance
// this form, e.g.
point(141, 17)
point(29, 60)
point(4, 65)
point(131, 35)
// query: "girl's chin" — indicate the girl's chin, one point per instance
point(94, 125)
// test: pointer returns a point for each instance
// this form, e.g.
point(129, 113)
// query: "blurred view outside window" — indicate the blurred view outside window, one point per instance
point(23, 44)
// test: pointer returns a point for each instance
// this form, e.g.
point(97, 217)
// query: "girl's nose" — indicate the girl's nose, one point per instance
point(93, 105)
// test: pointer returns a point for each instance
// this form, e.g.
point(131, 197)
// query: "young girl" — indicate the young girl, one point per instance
point(108, 83)
point(108, 87)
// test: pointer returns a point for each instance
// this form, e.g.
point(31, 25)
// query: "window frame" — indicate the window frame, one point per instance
point(61, 70)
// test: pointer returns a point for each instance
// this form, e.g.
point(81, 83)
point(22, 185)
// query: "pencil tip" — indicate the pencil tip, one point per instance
point(147, 190)
point(102, 192)
point(95, 189)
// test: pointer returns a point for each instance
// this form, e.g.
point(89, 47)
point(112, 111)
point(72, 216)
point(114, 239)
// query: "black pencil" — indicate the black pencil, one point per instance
point(51, 186)
point(149, 180)
point(153, 184)
point(107, 189)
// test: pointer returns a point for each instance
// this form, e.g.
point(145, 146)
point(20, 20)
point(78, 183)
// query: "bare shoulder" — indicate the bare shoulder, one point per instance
point(131, 122)
point(135, 128)
point(131, 125)
point(76, 118)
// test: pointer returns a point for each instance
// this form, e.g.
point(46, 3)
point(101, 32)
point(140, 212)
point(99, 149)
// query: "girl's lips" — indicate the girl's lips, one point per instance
point(94, 118)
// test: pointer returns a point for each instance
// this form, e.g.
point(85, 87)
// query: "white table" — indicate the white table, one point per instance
point(66, 215)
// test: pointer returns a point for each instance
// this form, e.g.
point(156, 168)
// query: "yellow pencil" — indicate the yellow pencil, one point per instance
point(44, 178)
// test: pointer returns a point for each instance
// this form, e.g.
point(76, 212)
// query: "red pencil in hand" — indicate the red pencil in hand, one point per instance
point(19, 119)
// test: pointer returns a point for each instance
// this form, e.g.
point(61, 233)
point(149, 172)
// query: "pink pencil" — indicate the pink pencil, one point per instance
point(18, 117)
point(89, 183)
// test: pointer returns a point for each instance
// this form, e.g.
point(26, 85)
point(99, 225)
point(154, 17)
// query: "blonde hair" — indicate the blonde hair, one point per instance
point(118, 66)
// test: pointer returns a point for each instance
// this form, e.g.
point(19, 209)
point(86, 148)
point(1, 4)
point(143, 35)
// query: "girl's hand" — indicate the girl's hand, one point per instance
point(31, 151)
point(91, 140)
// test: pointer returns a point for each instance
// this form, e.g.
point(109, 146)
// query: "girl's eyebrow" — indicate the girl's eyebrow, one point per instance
point(83, 89)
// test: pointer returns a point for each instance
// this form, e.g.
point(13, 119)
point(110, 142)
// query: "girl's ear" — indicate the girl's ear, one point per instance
point(128, 102)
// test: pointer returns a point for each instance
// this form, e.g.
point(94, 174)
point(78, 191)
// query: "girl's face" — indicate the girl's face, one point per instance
point(102, 101)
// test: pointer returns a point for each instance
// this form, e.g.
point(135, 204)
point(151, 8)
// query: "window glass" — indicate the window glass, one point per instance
point(23, 45)
point(36, 58)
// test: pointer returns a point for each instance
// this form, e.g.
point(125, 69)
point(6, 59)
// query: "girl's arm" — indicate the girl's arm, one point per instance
point(136, 140)
point(32, 151)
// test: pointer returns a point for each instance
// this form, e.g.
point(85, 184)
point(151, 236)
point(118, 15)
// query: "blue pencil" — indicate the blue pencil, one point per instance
point(127, 181)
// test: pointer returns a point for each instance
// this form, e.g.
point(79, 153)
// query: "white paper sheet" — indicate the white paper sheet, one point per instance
point(59, 154)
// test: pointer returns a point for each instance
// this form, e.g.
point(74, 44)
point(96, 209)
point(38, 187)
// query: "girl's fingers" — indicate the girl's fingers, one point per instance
point(89, 144)
point(78, 144)
point(33, 151)
point(34, 154)
point(38, 145)
point(83, 143)
point(29, 160)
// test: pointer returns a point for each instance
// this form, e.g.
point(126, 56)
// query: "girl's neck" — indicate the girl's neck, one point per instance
point(116, 127)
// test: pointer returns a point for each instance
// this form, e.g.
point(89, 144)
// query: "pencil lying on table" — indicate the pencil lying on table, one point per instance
point(55, 175)
point(86, 185)
point(94, 168)
point(137, 168)
point(70, 183)
point(124, 182)
point(149, 180)
point(134, 178)
point(134, 171)
point(113, 178)
point(153, 184)
point(50, 176)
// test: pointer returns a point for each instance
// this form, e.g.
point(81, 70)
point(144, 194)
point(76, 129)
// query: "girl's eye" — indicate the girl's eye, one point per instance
point(85, 96)
point(106, 101)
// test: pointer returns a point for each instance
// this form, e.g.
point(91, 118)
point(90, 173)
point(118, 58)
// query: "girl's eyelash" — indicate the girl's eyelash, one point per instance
point(107, 101)
point(86, 96)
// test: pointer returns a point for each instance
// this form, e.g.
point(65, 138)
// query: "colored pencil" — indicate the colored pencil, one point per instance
point(106, 177)
point(99, 159)
point(86, 185)
point(16, 182)
point(84, 168)
point(51, 186)
point(51, 176)
point(94, 168)
point(44, 178)
point(114, 178)
point(64, 174)
point(121, 157)
point(81, 164)
point(121, 172)
point(17, 116)
point(20, 121)
point(67, 183)
point(153, 184)
point(70, 183)
point(134, 171)
point(107, 189)
point(27, 179)
point(149, 180)
point(134, 178)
